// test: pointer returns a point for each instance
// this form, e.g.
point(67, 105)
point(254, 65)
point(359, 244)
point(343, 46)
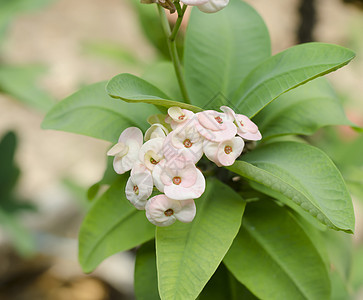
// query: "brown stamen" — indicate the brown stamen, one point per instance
point(187, 143)
point(169, 212)
point(153, 161)
point(177, 180)
point(228, 149)
point(219, 120)
point(136, 189)
point(181, 118)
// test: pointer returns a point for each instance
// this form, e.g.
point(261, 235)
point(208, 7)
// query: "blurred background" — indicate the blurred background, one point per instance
point(51, 48)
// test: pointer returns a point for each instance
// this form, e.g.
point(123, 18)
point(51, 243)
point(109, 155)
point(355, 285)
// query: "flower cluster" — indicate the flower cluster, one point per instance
point(167, 159)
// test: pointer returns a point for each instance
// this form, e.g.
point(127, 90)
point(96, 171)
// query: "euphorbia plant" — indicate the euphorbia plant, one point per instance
point(255, 209)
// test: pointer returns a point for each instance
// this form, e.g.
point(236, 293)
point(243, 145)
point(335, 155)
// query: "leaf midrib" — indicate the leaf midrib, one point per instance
point(106, 232)
point(332, 225)
point(260, 83)
point(266, 249)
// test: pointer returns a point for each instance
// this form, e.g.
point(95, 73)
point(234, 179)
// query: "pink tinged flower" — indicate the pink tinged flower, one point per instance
point(184, 141)
point(178, 117)
point(163, 211)
point(150, 153)
point(215, 126)
point(179, 179)
point(207, 6)
point(245, 127)
point(224, 153)
point(126, 150)
point(213, 6)
point(156, 131)
point(139, 188)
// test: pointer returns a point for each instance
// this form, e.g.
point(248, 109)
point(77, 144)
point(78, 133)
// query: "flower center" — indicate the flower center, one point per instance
point(177, 180)
point(153, 161)
point(228, 149)
point(169, 212)
point(187, 143)
point(181, 118)
point(241, 123)
point(136, 189)
point(219, 120)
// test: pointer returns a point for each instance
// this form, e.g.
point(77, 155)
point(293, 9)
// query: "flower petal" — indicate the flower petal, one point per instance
point(156, 131)
point(179, 192)
point(213, 6)
point(131, 133)
point(187, 212)
point(156, 210)
point(228, 151)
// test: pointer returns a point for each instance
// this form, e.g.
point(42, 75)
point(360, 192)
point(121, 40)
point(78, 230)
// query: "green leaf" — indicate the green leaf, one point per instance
point(146, 281)
point(287, 70)
point(91, 112)
point(303, 175)
point(189, 254)
point(111, 225)
point(162, 75)
point(302, 111)
point(21, 83)
point(220, 50)
point(274, 258)
point(223, 285)
point(132, 89)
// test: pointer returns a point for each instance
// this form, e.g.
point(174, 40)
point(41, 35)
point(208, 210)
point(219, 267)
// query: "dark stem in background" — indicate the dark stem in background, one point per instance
point(307, 13)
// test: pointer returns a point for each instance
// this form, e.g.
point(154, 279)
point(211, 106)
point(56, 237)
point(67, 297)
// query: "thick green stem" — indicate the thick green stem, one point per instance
point(173, 50)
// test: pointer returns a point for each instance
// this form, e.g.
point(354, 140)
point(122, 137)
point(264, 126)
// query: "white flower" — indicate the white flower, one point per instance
point(163, 211)
point(224, 153)
point(179, 117)
point(184, 141)
point(207, 6)
point(151, 152)
point(179, 179)
point(126, 150)
point(156, 131)
point(246, 129)
point(139, 188)
point(215, 126)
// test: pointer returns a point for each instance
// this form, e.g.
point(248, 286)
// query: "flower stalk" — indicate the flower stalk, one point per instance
point(172, 46)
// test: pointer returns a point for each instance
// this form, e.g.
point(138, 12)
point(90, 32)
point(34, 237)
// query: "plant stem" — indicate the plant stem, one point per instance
point(178, 21)
point(172, 48)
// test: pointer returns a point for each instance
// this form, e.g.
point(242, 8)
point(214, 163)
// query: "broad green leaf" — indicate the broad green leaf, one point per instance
point(189, 254)
point(111, 225)
point(132, 89)
point(162, 75)
point(302, 111)
point(287, 70)
point(91, 112)
point(223, 285)
point(303, 175)
point(220, 50)
point(21, 83)
point(146, 281)
point(274, 257)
